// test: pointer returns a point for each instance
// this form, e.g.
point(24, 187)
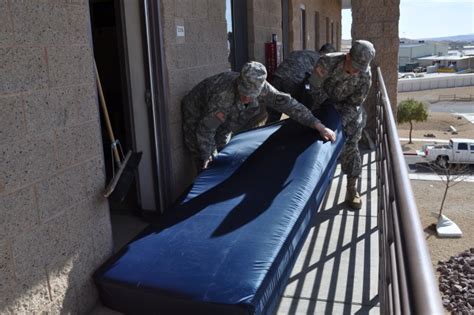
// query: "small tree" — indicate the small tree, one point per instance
point(451, 175)
point(410, 110)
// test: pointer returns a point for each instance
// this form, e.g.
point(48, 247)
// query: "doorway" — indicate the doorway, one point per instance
point(122, 54)
point(109, 58)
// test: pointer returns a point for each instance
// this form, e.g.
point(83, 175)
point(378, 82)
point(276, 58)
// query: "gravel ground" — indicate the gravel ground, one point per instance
point(456, 282)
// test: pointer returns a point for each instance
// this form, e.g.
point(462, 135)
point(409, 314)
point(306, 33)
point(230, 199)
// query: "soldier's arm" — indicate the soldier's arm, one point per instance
point(222, 136)
point(284, 103)
point(316, 80)
point(206, 132)
point(320, 73)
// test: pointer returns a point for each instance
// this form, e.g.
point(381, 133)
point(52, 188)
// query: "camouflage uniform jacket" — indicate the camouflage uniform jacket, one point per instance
point(347, 92)
point(297, 66)
point(337, 85)
point(212, 111)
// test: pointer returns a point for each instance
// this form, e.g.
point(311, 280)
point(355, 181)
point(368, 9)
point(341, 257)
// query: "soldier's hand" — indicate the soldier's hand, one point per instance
point(206, 163)
point(326, 133)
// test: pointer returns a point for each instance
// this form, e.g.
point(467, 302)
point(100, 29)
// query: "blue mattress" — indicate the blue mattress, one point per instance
point(229, 245)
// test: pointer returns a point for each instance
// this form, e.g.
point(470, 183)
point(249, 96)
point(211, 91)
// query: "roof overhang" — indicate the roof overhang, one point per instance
point(346, 4)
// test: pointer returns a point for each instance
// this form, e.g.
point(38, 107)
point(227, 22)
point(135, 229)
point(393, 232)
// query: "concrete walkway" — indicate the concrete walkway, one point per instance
point(337, 269)
point(464, 109)
point(432, 140)
point(469, 117)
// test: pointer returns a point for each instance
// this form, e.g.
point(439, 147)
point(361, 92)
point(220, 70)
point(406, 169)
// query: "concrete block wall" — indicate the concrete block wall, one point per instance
point(431, 83)
point(264, 18)
point(201, 53)
point(327, 9)
point(54, 226)
point(377, 21)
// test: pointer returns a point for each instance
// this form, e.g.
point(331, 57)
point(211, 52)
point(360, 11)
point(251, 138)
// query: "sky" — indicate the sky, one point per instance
point(426, 19)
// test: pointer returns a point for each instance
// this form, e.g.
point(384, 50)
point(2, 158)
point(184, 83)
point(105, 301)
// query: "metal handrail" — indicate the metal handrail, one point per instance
point(406, 281)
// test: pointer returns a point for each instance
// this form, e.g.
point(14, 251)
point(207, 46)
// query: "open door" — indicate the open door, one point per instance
point(128, 69)
point(109, 57)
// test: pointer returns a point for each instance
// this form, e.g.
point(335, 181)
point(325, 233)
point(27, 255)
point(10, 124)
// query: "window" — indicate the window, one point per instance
point(472, 148)
point(317, 44)
point(327, 30)
point(237, 43)
point(332, 33)
point(303, 28)
point(462, 146)
point(230, 34)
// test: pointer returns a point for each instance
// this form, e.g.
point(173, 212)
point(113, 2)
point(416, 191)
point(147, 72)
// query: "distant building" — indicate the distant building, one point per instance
point(346, 45)
point(468, 50)
point(450, 63)
point(410, 52)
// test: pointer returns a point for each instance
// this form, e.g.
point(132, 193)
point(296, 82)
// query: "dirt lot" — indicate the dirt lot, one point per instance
point(459, 207)
point(437, 125)
point(433, 95)
point(459, 204)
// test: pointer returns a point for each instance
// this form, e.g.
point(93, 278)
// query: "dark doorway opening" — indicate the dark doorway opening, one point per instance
point(109, 56)
point(303, 28)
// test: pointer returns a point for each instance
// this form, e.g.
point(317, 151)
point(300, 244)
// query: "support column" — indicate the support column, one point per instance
point(377, 22)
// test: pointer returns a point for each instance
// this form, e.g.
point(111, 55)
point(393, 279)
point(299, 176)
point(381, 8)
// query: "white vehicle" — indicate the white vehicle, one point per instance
point(457, 151)
point(408, 75)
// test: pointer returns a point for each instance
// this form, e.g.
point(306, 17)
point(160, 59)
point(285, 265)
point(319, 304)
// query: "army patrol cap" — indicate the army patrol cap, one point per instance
point(362, 52)
point(252, 78)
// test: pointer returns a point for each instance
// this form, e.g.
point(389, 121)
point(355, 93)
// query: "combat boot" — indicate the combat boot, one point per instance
point(352, 196)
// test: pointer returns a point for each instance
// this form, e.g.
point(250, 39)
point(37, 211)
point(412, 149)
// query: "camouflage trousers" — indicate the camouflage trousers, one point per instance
point(353, 122)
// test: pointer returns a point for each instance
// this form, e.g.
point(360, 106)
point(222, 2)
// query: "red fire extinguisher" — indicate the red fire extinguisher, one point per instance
point(272, 56)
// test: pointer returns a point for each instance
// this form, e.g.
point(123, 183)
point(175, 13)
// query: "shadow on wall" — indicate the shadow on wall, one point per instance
point(53, 264)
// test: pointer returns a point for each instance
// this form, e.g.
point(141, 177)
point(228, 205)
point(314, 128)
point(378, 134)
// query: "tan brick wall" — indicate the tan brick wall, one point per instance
point(54, 226)
point(327, 9)
point(377, 21)
point(264, 19)
point(201, 53)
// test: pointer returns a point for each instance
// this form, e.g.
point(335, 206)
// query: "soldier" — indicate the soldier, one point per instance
point(221, 104)
point(292, 74)
point(345, 80)
point(326, 49)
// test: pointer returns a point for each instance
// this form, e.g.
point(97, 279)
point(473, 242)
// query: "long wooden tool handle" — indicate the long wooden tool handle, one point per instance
point(106, 117)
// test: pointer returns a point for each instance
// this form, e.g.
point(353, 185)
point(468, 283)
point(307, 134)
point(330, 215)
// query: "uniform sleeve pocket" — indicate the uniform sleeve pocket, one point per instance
point(214, 120)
